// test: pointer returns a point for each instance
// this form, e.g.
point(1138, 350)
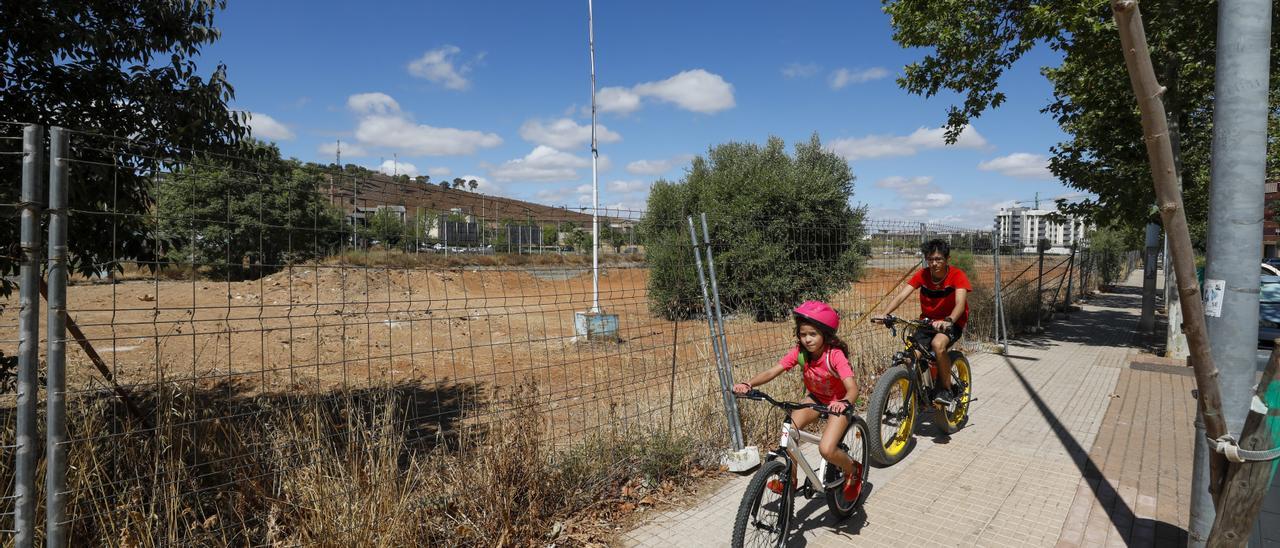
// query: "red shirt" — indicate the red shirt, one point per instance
point(938, 300)
point(822, 373)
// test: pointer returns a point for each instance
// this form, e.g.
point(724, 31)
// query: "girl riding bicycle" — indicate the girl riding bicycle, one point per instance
point(827, 377)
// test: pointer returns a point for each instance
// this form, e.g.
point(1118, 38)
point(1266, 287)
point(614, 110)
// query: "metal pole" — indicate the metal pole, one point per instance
point(1040, 285)
point(734, 422)
point(595, 182)
point(55, 481)
point(24, 509)
point(999, 304)
point(1147, 322)
point(727, 399)
point(1072, 270)
point(1236, 198)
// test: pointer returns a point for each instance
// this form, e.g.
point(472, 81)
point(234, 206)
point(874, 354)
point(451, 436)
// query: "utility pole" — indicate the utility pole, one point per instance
point(1147, 322)
point(1236, 208)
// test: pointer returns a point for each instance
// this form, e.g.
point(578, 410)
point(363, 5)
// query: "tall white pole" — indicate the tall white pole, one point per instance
point(595, 183)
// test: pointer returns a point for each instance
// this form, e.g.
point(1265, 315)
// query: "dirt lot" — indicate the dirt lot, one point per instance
point(320, 328)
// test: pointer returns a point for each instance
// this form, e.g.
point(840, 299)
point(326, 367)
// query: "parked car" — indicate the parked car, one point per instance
point(1269, 306)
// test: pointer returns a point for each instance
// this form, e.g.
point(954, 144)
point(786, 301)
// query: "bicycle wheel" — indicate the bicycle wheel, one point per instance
point(855, 445)
point(952, 421)
point(893, 408)
point(765, 515)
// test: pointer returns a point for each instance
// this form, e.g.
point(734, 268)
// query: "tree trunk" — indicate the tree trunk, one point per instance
point(1246, 484)
point(1169, 200)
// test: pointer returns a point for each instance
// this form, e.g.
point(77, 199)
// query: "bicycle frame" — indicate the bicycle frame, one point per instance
point(789, 444)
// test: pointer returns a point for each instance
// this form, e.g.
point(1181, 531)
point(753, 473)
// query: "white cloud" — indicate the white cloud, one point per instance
point(694, 90)
point(880, 146)
point(266, 127)
point(604, 163)
point(392, 167)
point(658, 167)
point(800, 70)
point(373, 103)
point(916, 193)
point(381, 123)
point(1020, 165)
point(617, 99)
point(843, 77)
point(437, 66)
point(329, 151)
point(564, 133)
point(542, 164)
point(438, 171)
point(625, 187)
point(567, 196)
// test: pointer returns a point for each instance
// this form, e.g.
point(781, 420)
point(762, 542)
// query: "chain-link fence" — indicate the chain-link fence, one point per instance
point(266, 352)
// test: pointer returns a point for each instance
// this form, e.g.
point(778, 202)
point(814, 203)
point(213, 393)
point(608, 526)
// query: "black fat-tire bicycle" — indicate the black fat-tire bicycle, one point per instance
point(907, 387)
point(764, 516)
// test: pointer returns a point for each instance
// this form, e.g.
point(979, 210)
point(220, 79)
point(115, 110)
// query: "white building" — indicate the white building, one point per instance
point(1023, 227)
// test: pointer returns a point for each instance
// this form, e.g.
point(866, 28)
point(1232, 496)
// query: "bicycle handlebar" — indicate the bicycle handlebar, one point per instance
point(757, 395)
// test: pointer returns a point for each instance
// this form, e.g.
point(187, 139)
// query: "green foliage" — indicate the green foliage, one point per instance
point(119, 68)
point(245, 223)
point(781, 224)
point(962, 260)
point(386, 227)
point(971, 45)
point(1107, 248)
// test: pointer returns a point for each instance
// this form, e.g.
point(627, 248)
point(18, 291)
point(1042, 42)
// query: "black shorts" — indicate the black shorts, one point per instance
point(924, 336)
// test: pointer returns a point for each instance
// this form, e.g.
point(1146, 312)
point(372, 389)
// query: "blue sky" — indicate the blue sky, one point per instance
point(498, 92)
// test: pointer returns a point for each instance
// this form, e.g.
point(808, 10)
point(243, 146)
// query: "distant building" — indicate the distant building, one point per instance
point(1022, 227)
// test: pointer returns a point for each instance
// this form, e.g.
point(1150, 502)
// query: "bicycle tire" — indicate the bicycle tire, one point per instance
point(887, 451)
point(952, 422)
point(855, 442)
point(747, 521)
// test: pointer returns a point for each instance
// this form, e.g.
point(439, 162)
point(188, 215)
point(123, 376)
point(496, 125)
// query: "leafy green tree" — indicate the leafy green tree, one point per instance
point(386, 227)
point(971, 45)
point(239, 223)
point(116, 68)
point(781, 224)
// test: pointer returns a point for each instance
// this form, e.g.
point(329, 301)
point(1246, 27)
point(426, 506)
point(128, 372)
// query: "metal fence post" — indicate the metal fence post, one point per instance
point(999, 303)
point(729, 409)
point(1070, 275)
point(56, 374)
point(1040, 285)
point(24, 508)
point(735, 424)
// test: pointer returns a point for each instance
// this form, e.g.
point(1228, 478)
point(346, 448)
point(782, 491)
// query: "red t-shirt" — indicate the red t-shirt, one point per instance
point(938, 300)
point(818, 377)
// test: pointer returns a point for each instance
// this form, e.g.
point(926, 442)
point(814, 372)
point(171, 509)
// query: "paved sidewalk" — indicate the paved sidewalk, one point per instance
point(1024, 472)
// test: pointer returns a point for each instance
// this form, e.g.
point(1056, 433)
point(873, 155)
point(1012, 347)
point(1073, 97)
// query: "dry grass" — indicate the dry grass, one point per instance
point(359, 469)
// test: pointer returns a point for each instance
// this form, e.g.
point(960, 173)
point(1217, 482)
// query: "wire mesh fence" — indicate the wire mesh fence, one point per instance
point(257, 347)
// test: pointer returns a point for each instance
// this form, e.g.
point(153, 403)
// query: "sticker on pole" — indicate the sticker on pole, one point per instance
point(1213, 290)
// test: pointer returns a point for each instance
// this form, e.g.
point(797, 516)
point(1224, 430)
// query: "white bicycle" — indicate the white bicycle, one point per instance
point(764, 516)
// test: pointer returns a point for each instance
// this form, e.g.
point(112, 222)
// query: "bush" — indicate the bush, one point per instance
point(781, 225)
point(1107, 249)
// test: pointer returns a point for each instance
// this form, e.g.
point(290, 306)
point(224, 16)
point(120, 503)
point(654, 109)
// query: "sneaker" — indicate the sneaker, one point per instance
point(853, 484)
point(944, 397)
point(774, 485)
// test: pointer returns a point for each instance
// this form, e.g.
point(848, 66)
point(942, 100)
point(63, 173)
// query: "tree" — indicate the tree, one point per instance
point(974, 43)
point(472, 184)
point(458, 182)
point(244, 219)
point(782, 227)
point(385, 227)
point(116, 68)
point(444, 184)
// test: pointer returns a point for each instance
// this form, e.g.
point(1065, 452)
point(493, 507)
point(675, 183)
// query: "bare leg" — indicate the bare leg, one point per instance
point(829, 447)
point(939, 344)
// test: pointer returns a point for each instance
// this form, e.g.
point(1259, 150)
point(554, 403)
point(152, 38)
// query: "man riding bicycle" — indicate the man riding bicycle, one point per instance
point(943, 291)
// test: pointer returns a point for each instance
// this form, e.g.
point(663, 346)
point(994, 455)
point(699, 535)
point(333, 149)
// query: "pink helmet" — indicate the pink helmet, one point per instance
point(820, 313)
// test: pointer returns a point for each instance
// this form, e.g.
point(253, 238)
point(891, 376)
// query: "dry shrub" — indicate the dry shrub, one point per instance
point(355, 468)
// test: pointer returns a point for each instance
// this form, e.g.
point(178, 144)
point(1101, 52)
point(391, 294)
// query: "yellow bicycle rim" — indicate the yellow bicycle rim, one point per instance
point(902, 435)
point(961, 367)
